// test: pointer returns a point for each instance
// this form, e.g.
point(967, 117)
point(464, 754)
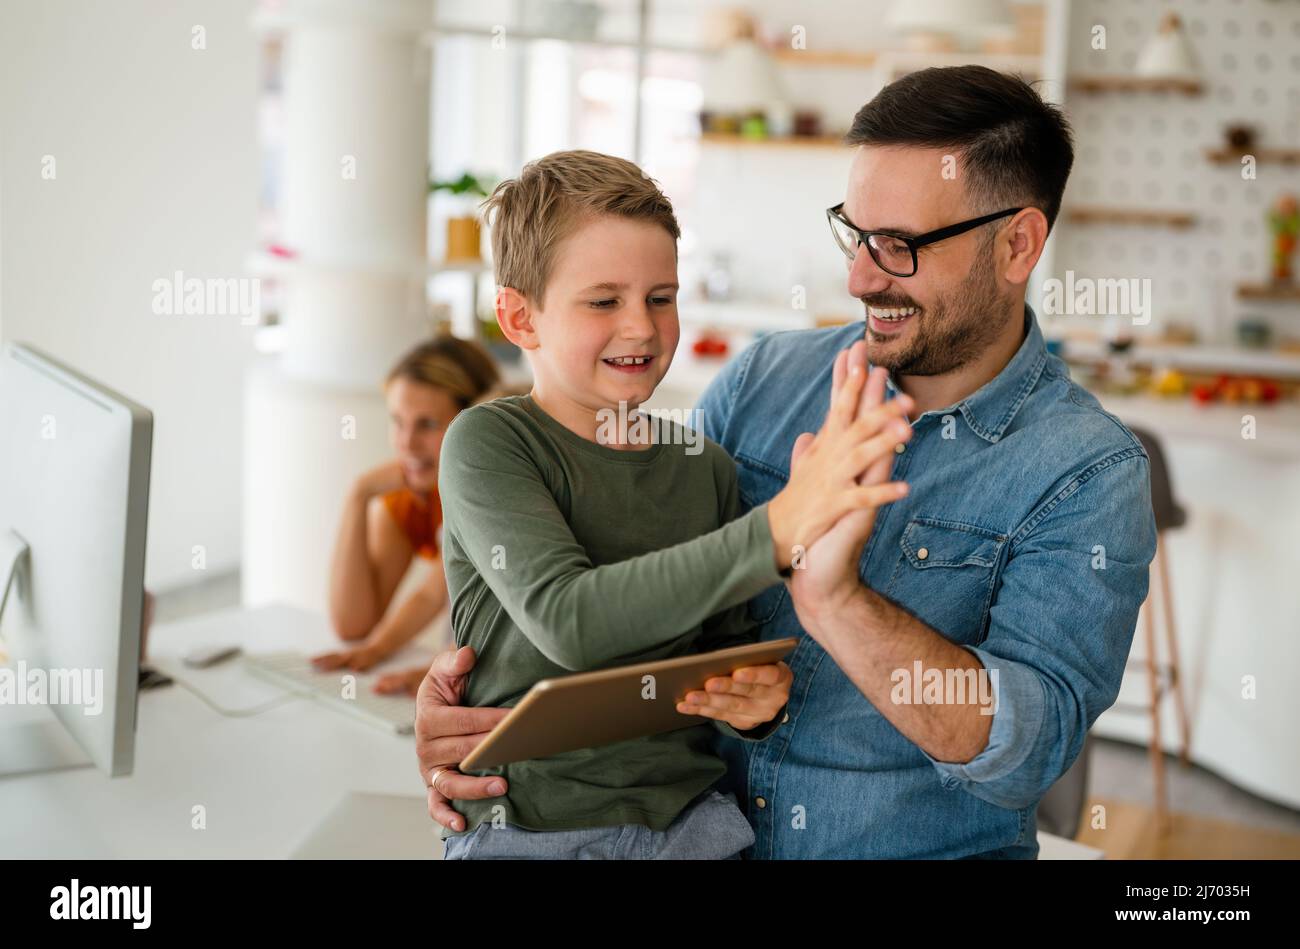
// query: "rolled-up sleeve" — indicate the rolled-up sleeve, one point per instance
point(1060, 628)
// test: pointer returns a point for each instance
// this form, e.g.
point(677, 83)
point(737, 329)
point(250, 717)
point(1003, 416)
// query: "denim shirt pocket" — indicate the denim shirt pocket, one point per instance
point(946, 575)
point(759, 483)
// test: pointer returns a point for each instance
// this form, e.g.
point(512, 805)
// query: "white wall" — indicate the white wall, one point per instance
point(156, 171)
point(1147, 151)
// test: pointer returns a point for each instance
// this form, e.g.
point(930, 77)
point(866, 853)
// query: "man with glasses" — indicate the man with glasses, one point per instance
point(954, 646)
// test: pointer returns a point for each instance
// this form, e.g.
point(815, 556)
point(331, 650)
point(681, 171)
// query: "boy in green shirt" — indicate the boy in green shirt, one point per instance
point(575, 541)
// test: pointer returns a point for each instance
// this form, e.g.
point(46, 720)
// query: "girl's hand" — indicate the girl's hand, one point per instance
point(745, 699)
point(407, 681)
point(359, 658)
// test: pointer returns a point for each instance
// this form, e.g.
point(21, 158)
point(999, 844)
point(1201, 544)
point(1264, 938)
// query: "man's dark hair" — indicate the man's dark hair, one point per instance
point(1015, 149)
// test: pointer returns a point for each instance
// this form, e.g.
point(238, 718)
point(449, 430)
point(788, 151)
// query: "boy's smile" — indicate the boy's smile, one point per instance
point(629, 364)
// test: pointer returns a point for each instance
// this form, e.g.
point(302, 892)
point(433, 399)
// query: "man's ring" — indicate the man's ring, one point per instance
point(433, 778)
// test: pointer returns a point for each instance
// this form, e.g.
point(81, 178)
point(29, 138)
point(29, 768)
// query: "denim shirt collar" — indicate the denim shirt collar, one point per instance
point(990, 409)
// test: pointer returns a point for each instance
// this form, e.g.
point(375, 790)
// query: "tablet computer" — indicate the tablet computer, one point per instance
point(590, 709)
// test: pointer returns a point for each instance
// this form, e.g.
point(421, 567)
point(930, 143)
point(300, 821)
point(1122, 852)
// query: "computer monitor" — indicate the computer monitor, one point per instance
point(74, 495)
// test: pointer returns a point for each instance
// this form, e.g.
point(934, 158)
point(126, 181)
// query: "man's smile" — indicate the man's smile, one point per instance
point(887, 321)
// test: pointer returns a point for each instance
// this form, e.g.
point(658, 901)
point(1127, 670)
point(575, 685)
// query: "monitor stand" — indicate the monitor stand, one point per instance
point(32, 739)
point(13, 553)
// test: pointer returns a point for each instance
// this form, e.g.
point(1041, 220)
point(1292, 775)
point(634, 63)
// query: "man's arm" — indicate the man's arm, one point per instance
point(446, 732)
point(1059, 634)
point(870, 637)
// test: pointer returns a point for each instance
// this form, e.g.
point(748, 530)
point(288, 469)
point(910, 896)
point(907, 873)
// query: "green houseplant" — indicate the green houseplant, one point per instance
point(464, 235)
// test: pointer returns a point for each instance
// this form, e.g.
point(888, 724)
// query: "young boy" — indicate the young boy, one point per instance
point(571, 545)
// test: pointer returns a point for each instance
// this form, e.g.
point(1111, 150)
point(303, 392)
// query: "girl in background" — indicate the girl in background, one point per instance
point(392, 513)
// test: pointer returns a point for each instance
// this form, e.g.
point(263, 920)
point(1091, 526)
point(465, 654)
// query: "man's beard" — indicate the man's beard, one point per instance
point(957, 329)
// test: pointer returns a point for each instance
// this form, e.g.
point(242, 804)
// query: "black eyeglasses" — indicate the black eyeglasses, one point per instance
point(894, 254)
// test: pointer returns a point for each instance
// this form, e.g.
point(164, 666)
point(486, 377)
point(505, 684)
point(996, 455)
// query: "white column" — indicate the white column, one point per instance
point(356, 103)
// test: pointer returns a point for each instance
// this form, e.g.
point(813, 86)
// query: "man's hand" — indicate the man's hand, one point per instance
point(828, 574)
point(827, 469)
point(445, 732)
point(745, 699)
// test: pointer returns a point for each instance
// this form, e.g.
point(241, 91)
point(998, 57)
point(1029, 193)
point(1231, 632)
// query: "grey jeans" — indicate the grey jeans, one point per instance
point(711, 828)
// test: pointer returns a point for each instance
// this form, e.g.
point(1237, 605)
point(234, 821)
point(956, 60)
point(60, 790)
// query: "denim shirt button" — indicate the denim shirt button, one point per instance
point(761, 802)
point(900, 448)
point(785, 718)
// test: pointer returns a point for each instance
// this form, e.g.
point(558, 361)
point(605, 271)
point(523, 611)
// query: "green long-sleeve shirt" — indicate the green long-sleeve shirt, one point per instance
point(564, 555)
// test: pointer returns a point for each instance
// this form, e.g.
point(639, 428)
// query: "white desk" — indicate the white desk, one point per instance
point(266, 782)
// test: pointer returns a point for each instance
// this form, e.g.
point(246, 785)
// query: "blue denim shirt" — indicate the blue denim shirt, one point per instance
point(1034, 509)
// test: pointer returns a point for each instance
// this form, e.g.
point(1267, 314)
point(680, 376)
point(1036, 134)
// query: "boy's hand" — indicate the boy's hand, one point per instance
point(745, 699)
point(830, 568)
point(827, 470)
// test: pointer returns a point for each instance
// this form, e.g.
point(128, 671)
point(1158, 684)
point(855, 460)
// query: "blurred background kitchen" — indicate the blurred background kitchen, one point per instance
point(336, 149)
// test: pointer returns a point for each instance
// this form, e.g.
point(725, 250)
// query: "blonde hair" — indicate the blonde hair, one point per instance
point(460, 367)
point(530, 215)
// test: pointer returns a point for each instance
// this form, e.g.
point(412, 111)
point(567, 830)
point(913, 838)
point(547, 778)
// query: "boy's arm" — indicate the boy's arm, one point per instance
point(734, 626)
point(505, 521)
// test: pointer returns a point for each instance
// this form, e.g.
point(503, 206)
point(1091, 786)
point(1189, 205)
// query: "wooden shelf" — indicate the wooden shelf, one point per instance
point(1192, 358)
point(1269, 291)
point(788, 141)
point(825, 57)
point(1280, 156)
point(905, 60)
point(475, 265)
point(1095, 84)
point(1179, 220)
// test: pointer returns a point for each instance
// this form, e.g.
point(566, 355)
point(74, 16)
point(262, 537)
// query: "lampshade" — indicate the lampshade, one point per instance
point(958, 19)
point(1168, 54)
point(741, 78)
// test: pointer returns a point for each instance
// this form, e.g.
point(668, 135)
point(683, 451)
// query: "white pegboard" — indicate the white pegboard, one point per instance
point(1147, 150)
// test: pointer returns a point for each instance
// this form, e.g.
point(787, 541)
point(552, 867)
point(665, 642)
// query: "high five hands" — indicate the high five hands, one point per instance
point(827, 573)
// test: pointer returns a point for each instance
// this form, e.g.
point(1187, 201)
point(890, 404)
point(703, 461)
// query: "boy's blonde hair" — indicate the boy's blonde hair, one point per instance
point(530, 215)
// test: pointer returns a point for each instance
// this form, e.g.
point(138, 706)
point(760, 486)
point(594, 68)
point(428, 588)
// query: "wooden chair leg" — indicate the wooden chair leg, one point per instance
point(1176, 672)
point(1157, 752)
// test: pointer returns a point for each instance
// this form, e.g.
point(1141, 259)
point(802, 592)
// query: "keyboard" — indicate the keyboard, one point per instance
point(294, 671)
